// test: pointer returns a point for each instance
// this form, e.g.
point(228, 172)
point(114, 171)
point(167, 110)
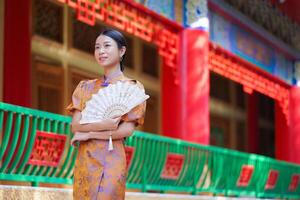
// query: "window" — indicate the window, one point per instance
point(219, 127)
point(48, 84)
point(219, 87)
point(150, 60)
point(240, 97)
point(84, 35)
point(47, 20)
point(151, 123)
point(266, 107)
point(129, 58)
point(241, 135)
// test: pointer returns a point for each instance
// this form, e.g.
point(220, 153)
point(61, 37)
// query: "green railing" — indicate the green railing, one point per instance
point(155, 163)
point(18, 127)
point(206, 169)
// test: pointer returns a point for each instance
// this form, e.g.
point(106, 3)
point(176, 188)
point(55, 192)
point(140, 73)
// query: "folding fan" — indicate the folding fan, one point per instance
point(115, 100)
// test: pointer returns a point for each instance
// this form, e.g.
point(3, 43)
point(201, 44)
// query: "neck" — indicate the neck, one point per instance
point(110, 73)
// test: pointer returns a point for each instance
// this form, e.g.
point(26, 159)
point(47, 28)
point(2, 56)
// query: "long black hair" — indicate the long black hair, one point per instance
point(120, 40)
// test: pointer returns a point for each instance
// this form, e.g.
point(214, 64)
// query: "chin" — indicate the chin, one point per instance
point(106, 66)
point(103, 64)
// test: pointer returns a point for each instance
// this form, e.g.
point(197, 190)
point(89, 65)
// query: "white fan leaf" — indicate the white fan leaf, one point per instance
point(114, 100)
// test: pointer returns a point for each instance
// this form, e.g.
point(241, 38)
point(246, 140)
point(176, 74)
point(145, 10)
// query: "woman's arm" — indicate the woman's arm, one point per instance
point(124, 130)
point(109, 124)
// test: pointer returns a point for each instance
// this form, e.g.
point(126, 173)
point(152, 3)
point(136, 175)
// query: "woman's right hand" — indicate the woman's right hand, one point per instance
point(109, 124)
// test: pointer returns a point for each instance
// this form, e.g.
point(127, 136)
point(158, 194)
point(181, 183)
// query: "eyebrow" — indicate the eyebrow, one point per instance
point(103, 42)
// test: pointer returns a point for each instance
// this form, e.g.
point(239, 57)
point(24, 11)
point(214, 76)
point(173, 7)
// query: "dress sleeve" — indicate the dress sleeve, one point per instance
point(137, 114)
point(77, 100)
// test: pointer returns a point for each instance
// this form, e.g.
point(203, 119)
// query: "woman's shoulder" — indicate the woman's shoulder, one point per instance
point(87, 84)
point(135, 81)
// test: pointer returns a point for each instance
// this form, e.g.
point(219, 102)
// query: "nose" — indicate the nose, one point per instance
point(101, 51)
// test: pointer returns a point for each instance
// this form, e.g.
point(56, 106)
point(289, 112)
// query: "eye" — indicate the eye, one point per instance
point(107, 45)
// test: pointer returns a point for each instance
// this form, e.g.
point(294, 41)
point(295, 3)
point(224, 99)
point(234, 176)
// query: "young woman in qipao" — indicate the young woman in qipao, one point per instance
point(100, 173)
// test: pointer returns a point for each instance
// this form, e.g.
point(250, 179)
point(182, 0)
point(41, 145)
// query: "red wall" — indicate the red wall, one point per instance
point(17, 52)
point(288, 135)
point(186, 105)
point(295, 125)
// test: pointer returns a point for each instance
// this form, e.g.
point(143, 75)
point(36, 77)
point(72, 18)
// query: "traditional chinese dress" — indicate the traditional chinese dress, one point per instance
point(100, 173)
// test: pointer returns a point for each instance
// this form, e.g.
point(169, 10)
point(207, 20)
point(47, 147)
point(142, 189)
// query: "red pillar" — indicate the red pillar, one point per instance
point(282, 143)
point(252, 114)
point(288, 135)
point(295, 125)
point(186, 106)
point(17, 52)
point(171, 104)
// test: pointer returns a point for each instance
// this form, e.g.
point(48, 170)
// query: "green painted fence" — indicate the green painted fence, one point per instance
point(155, 163)
point(18, 127)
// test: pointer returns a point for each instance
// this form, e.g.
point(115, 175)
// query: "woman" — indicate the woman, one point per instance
point(100, 173)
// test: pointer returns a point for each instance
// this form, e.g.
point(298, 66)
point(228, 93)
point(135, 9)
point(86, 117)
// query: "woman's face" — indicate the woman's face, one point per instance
point(107, 52)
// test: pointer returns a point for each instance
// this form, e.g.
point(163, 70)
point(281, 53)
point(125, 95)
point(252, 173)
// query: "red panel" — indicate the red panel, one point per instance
point(294, 182)
point(48, 149)
point(129, 151)
point(173, 166)
point(272, 179)
point(245, 175)
point(17, 52)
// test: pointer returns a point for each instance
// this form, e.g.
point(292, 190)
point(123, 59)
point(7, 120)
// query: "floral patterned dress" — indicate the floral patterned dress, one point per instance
point(99, 173)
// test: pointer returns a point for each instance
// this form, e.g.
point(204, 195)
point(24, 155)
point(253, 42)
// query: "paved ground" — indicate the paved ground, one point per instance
point(43, 193)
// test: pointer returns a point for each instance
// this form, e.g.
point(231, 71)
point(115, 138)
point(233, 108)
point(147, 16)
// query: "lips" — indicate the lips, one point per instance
point(102, 58)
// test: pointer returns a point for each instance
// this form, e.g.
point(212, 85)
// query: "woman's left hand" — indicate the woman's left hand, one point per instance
point(80, 136)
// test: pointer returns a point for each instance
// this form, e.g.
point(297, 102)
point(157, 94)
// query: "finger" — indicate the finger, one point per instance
point(72, 142)
point(74, 139)
point(117, 119)
point(116, 116)
point(75, 143)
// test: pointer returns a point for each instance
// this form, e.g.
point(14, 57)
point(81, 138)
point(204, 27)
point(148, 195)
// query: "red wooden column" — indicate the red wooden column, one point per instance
point(281, 135)
point(295, 125)
point(171, 104)
point(186, 106)
point(17, 52)
point(252, 114)
point(288, 135)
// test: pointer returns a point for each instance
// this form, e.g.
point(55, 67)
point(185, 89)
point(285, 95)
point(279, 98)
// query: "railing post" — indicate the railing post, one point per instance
point(35, 184)
point(144, 178)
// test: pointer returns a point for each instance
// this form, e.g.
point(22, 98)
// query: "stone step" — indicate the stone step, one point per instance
point(9, 192)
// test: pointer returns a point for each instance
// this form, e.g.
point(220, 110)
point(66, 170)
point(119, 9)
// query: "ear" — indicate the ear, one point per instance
point(122, 51)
